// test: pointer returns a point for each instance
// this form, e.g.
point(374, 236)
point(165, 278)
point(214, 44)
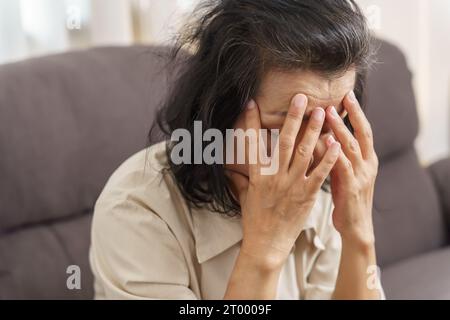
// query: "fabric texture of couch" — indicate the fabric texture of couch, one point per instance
point(67, 121)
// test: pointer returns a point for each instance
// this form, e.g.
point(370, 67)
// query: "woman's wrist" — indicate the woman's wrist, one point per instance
point(254, 277)
point(358, 233)
point(362, 241)
point(262, 258)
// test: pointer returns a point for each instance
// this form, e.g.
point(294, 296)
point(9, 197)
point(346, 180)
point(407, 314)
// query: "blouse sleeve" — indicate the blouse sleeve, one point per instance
point(134, 254)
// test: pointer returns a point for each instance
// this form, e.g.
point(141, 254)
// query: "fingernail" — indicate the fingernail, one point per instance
point(334, 112)
point(330, 140)
point(299, 101)
point(318, 114)
point(251, 105)
point(352, 96)
point(336, 147)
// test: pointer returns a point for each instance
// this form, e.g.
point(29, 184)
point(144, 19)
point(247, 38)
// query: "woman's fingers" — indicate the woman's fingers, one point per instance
point(253, 125)
point(343, 165)
point(239, 184)
point(323, 170)
point(305, 149)
point(321, 147)
point(350, 146)
point(363, 130)
point(318, 154)
point(290, 130)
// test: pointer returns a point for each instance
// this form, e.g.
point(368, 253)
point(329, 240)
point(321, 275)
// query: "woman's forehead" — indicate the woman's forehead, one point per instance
point(320, 90)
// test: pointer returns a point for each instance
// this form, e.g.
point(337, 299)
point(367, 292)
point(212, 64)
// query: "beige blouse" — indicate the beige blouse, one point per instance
point(147, 244)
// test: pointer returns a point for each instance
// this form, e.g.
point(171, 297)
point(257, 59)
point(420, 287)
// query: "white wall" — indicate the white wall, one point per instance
point(111, 23)
point(160, 20)
point(421, 28)
point(12, 38)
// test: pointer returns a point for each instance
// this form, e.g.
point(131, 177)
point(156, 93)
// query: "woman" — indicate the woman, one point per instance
point(166, 229)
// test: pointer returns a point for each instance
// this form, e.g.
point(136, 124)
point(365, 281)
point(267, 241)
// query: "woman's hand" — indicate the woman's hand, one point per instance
point(353, 177)
point(276, 207)
point(352, 187)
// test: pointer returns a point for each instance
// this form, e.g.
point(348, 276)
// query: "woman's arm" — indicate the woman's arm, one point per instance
point(275, 208)
point(353, 282)
point(252, 278)
point(352, 184)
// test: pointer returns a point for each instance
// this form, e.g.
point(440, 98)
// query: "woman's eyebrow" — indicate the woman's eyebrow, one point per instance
point(311, 99)
point(339, 108)
point(283, 114)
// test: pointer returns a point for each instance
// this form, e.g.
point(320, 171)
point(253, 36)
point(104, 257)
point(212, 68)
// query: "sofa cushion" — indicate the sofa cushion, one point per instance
point(440, 172)
point(423, 277)
point(407, 215)
point(34, 260)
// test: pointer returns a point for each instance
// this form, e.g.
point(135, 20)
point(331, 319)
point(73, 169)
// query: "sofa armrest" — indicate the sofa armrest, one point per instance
point(440, 173)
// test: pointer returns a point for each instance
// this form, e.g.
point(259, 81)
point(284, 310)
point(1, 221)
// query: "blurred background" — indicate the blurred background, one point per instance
point(421, 28)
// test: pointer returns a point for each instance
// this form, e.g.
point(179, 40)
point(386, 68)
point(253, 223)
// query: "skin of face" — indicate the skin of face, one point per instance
point(277, 90)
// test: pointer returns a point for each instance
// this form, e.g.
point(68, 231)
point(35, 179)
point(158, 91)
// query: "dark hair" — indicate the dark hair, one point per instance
point(232, 44)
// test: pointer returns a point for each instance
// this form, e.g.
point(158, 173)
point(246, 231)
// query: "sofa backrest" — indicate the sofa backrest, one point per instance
point(67, 122)
point(407, 216)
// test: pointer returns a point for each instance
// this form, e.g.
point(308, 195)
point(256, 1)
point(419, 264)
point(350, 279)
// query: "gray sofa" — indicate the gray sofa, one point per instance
point(67, 121)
